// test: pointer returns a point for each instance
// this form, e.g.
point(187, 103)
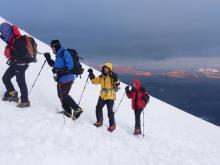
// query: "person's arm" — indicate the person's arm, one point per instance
point(49, 60)
point(92, 77)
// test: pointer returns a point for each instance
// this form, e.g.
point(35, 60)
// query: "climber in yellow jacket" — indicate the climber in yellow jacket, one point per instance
point(109, 85)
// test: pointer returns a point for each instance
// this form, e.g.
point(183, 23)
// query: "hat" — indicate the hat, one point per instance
point(55, 44)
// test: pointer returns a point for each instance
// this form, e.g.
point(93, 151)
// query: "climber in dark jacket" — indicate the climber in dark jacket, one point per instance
point(15, 52)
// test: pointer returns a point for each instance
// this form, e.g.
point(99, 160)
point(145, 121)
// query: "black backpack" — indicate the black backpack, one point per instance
point(78, 69)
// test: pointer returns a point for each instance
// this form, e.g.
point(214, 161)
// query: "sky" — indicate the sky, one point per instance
point(142, 33)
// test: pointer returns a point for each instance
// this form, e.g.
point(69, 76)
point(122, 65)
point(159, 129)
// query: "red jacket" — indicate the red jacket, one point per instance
point(138, 96)
point(10, 43)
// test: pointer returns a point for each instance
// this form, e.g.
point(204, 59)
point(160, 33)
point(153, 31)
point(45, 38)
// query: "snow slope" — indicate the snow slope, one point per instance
point(37, 135)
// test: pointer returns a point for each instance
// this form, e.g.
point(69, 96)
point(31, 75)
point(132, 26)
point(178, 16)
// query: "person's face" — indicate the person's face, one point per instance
point(134, 85)
point(106, 70)
point(53, 49)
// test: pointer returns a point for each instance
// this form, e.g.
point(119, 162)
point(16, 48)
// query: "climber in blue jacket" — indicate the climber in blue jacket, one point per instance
point(62, 67)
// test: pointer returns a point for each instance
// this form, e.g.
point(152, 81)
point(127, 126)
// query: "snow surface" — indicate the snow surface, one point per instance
point(38, 135)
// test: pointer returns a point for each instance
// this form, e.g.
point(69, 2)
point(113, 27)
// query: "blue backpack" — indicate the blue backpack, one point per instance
point(6, 31)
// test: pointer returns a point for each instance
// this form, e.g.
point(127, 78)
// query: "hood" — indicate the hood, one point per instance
point(137, 84)
point(109, 65)
point(16, 31)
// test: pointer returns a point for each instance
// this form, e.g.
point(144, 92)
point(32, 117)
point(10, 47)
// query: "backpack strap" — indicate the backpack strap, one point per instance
point(62, 55)
point(30, 48)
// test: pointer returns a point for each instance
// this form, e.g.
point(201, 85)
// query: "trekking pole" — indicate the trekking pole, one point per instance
point(37, 77)
point(40, 53)
point(120, 102)
point(143, 124)
point(83, 90)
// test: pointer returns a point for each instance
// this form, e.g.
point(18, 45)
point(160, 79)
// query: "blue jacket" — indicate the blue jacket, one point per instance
point(59, 63)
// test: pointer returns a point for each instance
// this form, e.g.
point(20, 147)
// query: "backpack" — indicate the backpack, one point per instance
point(6, 31)
point(31, 46)
point(145, 97)
point(78, 69)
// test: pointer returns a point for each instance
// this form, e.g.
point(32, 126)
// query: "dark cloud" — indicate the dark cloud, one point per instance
point(151, 29)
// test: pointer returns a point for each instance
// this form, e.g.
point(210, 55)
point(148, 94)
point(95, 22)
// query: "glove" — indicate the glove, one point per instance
point(55, 70)
point(47, 56)
point(91, 74)
point(127, 88)
point(90, 70)
point(49, 60)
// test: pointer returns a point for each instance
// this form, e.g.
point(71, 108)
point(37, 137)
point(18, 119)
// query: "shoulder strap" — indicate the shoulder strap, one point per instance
point(62, 55)
point(29, 46)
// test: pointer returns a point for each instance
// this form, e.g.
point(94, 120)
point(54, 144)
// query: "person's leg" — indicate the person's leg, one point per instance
point(99, 113)
point(20, 78)
point(9, 73)
point(67, 101)
point(110, 104)
point(137, 113)
point(11, 94)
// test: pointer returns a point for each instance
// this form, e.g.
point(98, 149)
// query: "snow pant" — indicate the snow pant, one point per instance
point(67, 101)
point(137, 113)
point(99, 114)
point(17, 70)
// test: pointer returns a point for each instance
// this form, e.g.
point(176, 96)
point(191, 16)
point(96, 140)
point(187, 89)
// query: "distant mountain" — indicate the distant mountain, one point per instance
point(210, 73)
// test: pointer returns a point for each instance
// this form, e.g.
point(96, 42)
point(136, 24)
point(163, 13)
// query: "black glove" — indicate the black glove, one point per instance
point(91, 74)
point(127, 88)
point(49, 60)
point(47, 56)
point(114, 77)
point(55, 70)
point(90, 70)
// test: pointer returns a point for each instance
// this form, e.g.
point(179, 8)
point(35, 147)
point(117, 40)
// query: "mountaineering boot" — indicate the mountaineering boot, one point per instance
point(98, 124)
point(112, 128)
point(65, 113)
point(24, 104)
point(137, 131)
point(77, 113)
point(11, 96)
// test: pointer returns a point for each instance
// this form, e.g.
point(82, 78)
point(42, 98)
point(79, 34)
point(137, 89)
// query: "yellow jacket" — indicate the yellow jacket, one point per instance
point(107, 85)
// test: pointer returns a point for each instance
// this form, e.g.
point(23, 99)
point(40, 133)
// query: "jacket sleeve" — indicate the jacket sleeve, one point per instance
point(68, 60)
point(50, 62)
point(96, 80)
point(7, 52)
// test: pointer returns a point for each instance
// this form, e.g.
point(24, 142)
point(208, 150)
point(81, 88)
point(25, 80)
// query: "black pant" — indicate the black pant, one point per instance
point(99, 114)
point(137, 114)
point(67, 101)
point(17, 70)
